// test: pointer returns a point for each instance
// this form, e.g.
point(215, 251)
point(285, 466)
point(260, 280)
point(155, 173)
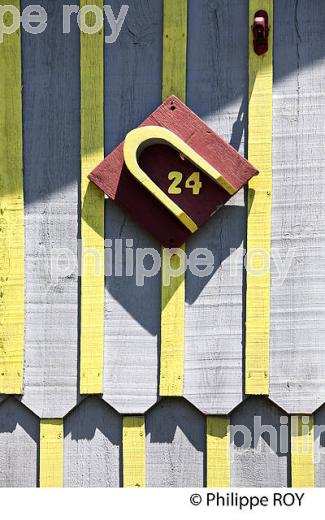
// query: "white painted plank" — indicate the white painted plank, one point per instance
point(19, 439)
point(132, 313)
point(297, 363)
point(217, 92)
point(175, 448)
point(260, 455)
point(92, 445)
point(51, 171)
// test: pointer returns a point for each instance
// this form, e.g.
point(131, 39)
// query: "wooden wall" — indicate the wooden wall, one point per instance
point(217, 85)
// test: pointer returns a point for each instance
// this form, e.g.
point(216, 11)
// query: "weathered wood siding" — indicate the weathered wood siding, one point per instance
point(298, 242)
point(51, 137)
point(132, 314)
point(217, 92)
point(175, 428)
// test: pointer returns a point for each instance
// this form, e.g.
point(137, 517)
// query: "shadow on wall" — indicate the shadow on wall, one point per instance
point(216, 76)
point(176, 445)
point(261, 442)
point(93, 439)
point(19, 445)
point(217, 80)
point(171, 414)
point(90, 415)
point(13, 415)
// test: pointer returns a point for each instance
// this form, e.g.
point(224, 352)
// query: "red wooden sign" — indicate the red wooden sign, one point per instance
point(194, 172)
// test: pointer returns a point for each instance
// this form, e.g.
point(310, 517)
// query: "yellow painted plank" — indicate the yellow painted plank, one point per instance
point(51, 453)
point(134, 446)
point(218, 451)
point(11, 214)
point(259, 208)
point(92, 220)
point(302, 451)
point(174, 48)
point(173, 294)
point(172, 326)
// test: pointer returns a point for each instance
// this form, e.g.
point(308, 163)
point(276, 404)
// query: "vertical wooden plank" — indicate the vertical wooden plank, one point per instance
point(175, 445)
point(11, 214)
point(51, 453)
point(174, 49)
point(134, 463)
point(214, 304)
point(92, 445)
point(260, 439)
point(259, 210)
point(19, 441)
point(133, 70)
point(173, 294)
point(92, 219)
point(302, 451)
point(51, 138)
point(218, 451)
point(297, 347)
point(172, 329)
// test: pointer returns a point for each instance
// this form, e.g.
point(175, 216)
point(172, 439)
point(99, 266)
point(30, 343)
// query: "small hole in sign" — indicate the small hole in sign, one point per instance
point(173, 107)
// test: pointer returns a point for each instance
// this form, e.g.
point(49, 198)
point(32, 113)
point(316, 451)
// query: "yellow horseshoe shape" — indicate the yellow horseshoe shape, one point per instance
point(139, 139)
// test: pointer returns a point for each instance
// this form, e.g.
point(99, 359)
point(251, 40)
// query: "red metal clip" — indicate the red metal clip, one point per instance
point(261, 32)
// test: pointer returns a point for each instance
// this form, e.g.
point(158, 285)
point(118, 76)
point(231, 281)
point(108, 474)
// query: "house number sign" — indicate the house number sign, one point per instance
point(172, 173)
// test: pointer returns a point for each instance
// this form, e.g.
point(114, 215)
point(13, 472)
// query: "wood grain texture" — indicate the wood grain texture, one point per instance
point(297, 361)
point(176, 445)
point(174, 48)
point(134, 452)
point(218, 451)
point(302, 451)
point(51, 453)
point(260, 453)
point(92, 212)
point(19, 440)
point(259, 209)
point(172, 325)
point(132, 312)
point(51, 113)
point(217, 92)
point(11, 215)
point(92, 445)
point(171, 383)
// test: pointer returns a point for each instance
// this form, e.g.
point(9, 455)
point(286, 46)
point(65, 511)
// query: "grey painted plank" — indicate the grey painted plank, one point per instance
point(132, 313)
point(51, 171)
point(297, 364)
point(19, 440)
point(217, 92)
point(175, 447)
point(259, 445)
point(92, 445)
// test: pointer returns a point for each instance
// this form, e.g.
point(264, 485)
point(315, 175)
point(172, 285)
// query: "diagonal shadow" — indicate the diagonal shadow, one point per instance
point(217, 60)
point(171, 414)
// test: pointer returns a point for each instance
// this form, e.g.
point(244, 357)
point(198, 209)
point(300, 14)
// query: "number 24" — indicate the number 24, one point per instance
point(193, 183)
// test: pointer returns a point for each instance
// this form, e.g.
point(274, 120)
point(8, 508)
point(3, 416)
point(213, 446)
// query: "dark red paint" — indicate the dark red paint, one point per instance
point(157, 161)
